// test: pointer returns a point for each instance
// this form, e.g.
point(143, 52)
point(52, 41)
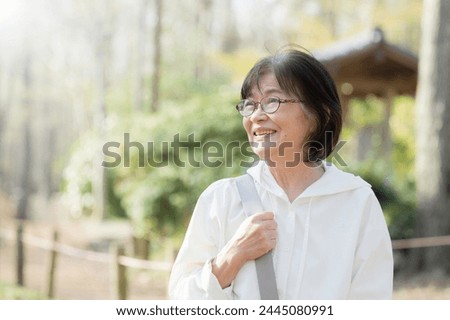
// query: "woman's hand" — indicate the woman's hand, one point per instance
point(255, 237)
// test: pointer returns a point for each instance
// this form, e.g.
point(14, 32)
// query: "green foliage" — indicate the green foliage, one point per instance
point(365, 112)
point(238, 62)
point(160, 198)
point(401, 21)
point(77, 185)
point(397, 201)
point(77, 177)
point(114, 205)
point(156, 184)
point(404, 144)
point(370, 113)
point(392, 182)
point(178, 86)
point(10, 292)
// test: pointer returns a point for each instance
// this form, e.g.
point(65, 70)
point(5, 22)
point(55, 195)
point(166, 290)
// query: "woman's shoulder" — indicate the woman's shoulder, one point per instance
point(219, 200)
point(221, 187)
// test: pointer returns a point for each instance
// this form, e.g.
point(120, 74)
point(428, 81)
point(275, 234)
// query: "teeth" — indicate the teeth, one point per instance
point(263, 132)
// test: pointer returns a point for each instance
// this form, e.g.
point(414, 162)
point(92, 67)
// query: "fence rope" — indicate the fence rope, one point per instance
point(421, 242)
point(145, 264)
point(86, 254)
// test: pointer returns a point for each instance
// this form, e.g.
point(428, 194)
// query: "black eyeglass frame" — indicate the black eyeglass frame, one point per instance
point(241, 104)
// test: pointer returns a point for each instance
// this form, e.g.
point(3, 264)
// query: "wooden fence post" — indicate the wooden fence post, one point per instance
point(52, 266)
point(120, 284)
point(20, 256)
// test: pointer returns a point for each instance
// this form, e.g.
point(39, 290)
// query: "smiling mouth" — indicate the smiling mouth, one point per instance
point(261, 133)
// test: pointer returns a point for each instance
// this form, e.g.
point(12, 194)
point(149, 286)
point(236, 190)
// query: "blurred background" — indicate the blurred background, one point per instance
point(84, 83)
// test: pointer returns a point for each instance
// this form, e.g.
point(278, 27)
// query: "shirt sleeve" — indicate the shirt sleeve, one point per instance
point(372, 276)
point(191, 276)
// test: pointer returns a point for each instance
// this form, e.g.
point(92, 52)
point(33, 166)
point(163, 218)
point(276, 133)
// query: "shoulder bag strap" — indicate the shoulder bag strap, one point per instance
point(264, 264)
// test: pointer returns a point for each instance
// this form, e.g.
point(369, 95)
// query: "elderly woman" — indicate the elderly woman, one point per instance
point(324, 227)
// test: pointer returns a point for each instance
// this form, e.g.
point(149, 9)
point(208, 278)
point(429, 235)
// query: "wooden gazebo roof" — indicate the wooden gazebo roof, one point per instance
point(368, 64)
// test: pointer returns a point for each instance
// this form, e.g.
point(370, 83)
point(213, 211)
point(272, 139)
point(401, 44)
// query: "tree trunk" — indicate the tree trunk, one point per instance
point(157, 56)
point(6, 171)
point(230, 40)
point(140, 66)
point(103, 42)
point(25, 171)
point(2, 127)
point(47, 169)
point(365, 143)
point(203, 18)
point(433, 136)
point(141, 247)
point(386, 137)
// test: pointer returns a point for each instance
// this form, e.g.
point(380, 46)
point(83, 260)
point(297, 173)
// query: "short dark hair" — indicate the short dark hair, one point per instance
point(300, 74)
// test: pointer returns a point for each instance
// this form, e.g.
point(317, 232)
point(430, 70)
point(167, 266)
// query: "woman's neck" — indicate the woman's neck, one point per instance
point(295, 180)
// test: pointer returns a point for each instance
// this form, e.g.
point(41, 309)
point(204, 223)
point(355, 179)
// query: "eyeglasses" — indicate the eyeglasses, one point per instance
point(269, 105)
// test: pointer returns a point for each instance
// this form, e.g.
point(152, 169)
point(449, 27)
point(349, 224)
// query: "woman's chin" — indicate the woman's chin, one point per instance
point(265, 154)
point(273, 158)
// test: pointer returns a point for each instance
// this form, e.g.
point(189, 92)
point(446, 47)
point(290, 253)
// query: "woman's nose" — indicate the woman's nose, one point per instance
point(258, 114)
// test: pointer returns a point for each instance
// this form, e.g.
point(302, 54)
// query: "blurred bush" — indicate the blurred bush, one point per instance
point(11, 292)
point(397, 200)
point(156, 186)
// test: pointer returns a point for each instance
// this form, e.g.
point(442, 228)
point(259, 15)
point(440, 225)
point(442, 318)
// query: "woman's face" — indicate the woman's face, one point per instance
point(278, 136)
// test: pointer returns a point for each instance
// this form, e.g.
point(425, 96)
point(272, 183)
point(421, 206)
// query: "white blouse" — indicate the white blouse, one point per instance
point(332, 243)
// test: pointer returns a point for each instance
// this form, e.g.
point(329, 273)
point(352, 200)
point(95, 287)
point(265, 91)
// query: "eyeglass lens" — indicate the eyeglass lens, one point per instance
point(268, 105)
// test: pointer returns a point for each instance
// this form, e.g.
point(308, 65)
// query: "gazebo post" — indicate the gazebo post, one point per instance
point(345, 105)
point(386, 138)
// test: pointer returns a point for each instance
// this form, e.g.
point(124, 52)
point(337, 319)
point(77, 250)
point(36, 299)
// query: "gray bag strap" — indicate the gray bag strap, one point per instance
point(264, 264)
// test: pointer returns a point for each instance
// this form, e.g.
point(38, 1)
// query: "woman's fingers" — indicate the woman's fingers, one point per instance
point(257, 235)
point(263, 216)
point(265, 219)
